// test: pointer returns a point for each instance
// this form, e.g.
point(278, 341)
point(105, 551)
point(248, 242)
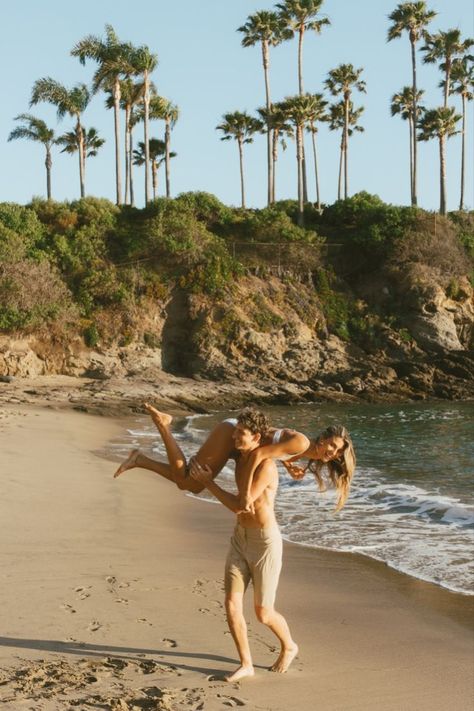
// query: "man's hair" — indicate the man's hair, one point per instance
point(254, 420)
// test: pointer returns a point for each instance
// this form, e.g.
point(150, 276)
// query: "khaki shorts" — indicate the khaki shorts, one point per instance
point(255, 554)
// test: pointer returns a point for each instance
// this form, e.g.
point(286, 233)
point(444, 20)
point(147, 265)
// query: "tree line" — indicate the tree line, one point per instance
point(303, 112)
point(124, 73)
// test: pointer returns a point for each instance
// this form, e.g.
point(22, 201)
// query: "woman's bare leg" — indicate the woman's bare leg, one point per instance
point(138, 460)
point(175, 454)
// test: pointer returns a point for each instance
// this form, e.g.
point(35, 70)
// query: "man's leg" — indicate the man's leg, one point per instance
point(279, 626)
point(238, 629)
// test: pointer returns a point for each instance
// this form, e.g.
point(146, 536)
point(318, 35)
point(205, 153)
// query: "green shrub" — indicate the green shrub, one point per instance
point(91, 335)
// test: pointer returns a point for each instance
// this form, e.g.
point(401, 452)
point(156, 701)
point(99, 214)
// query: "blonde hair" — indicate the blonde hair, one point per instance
point(340, 470)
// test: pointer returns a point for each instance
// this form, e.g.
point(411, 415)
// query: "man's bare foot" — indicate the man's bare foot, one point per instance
point(159, 418)
point(129, 463)
point(241, 673)
point(284, 660)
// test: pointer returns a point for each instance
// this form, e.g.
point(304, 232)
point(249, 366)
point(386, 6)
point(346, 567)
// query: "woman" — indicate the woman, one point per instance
point(333, 448)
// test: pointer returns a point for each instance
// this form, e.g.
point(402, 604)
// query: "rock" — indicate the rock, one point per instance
point(6, 378)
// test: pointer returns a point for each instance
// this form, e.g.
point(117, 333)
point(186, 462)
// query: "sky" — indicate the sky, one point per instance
point(205, 71)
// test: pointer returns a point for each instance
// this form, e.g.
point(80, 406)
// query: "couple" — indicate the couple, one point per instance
point(256, 547)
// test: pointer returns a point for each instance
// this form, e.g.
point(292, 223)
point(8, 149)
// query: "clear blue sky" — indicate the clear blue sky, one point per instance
point(204, 69)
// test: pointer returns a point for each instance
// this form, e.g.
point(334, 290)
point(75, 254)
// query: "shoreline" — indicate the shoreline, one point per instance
point(127, 577)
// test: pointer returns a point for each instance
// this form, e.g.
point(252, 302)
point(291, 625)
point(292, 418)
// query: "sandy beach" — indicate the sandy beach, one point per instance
point(112, 598)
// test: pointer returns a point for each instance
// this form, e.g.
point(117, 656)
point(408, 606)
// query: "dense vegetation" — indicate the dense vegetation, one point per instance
point(64, 265)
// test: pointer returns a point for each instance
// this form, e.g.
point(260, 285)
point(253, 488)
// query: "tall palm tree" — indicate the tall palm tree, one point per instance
point(113, 58)
point(337, 121)
point(447, 47)
point(341, 82)
point(241, 127)
point(280, 129)
point(302, 16)
point(131, 95)
point(267, 29)
point(462, 76)
point(67, 101)
point(34, 129)
point(92, 143)
point(144, 62)
point(165, 110)
point(298, 110)
point(439, 123)
point(317, 114)
point(157, 158)
point(413, 18)
point(402, 105)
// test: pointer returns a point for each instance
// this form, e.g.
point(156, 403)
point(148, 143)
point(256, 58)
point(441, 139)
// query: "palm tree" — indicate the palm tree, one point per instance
point(143, 63)
point(67, 101)
point(34, 129)
point(241, 127)
point(462, 76)
point(337, 121)
point(413, 18)
point(448, 47)
point(131, 95)
point(280, 129)
point(441, 124)
point(268, 29)
point(402, 104)
point(91, 142)
point(157, 151)
point(113, 58)
point(317, 114)
point(298, 110)
point(342, 81)
point(165, 110)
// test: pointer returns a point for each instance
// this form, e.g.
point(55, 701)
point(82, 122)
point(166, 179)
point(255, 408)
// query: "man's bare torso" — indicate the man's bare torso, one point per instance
point(264, 514)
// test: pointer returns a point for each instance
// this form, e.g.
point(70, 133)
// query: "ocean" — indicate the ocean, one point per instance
point(411, 505)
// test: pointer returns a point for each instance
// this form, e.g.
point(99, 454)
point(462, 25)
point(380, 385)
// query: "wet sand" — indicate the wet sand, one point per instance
point(111, 598)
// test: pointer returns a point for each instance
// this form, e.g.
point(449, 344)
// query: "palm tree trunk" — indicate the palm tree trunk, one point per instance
point(412, 132)
point(265, 60)
point(442, 176)
point(346, 145)
point(132, 191)
point(80, 140)
point(128, 154)
point(463, 151)
point(316, 174)
point(275, 135)
point(167, 156)
point(300, 85)
point(146, 120)
point(118, 168)
point(241, 160)
point(414, 197)
point(447, 80)
point(153, 178)
point(341, 160)
point(48, 163)
point(299, 158)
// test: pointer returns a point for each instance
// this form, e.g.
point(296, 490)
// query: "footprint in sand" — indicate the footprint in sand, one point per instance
point(68, 608)
point(170, 643)
point(144, 621)
point(122, 600)
point(230, 700)
point(93, 626)
point(82, 592)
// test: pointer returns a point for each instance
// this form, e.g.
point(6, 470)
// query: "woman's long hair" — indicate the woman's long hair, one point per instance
point(340, 470)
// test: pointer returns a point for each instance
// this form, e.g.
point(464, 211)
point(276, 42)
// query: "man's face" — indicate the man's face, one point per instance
point(244, 439)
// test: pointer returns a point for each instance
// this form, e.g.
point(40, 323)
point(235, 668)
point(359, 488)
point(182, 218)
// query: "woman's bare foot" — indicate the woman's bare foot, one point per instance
point(284, 660)
point(129, 463)
point(241, 673)
point(161, 419)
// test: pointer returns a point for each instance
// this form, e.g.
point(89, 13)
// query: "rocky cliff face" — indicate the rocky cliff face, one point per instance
point(275, 331)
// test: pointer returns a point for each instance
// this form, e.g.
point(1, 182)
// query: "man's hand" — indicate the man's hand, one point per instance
point(203, 474)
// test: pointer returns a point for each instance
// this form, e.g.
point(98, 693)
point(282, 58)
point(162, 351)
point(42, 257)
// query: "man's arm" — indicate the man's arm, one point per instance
point(204, 475)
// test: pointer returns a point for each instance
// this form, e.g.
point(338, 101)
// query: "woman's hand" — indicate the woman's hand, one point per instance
point(295, 470)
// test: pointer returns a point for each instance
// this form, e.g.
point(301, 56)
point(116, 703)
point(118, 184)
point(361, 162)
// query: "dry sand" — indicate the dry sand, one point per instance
point(111, 598)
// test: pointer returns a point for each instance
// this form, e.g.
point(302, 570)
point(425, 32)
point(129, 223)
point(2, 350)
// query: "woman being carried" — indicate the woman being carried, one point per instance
point(333, 448)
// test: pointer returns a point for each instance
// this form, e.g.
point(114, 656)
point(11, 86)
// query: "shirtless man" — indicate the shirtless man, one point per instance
point(255, 551)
